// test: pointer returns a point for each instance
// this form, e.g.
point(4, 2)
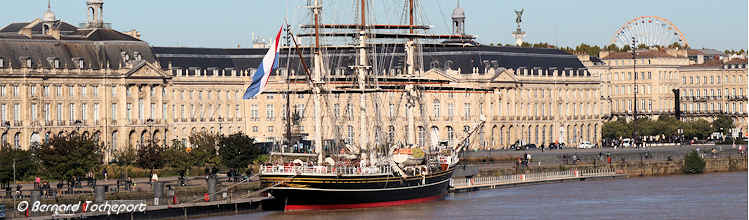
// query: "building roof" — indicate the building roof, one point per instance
point(95, 54)
point(436, 56)
point(654, 53)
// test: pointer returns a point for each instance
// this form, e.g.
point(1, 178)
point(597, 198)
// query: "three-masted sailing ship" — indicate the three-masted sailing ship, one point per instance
point(372, 174)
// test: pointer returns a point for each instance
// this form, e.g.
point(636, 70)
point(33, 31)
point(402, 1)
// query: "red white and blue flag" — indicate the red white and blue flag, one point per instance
point(269, 64)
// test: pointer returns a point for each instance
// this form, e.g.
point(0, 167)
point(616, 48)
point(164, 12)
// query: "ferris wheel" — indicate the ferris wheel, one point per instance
point(649, 30)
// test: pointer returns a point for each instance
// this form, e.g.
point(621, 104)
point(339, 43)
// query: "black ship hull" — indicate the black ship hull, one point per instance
point(311, 192)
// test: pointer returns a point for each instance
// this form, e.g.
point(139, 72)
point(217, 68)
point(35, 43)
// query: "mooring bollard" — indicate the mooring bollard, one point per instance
point(212, 187)
point(99, 193)
point(158, 192)
point(36, 196)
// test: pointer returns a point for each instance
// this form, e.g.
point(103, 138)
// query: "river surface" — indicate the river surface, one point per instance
point(708, 196)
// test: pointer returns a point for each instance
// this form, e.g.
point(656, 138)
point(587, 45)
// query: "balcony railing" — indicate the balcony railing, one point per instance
point(18, 123)
point(61, 123)
point(113, 122)
point(48, 123)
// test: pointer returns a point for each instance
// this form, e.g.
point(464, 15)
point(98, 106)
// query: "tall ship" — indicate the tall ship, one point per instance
point(370, 173)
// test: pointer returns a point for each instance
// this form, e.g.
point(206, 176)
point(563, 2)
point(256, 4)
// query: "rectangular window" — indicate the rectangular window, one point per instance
point(392, 110)
point(45, 91)
point(436, 109)
point(83, 91)
point(182, 111)
point(128, 91)
point(17, 112)
point(253, 112)
point(3, 112)
point(46, 112)
point(96, 111)
point(71, 112)
point(33, 91)
point(70, 91)
point(141, 108)
point(114, 91)
point(129, 114)
point(15, 91)
point(59, 112)
point(33, 112)
point(467, 110)
point(152, 111)
point(300, 110)
point(114, 111)
point(95, 91)
point(163, 111)
point(2, 90)
point(349, 111)
point(83, 112)
point(269, 112)
point(58, 93)
point(152, 92)
point(236, 115)
point(450, 110)
point(337, 110)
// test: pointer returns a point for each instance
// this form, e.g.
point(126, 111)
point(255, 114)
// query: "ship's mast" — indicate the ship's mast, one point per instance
point(316, 82)
point(362, 67)
point(410, 64)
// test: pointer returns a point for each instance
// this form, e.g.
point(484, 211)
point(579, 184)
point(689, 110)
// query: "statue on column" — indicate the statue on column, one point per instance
point(519, 16)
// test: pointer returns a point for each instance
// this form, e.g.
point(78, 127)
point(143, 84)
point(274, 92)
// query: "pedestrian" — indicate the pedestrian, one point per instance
point(154, 178)
point(37, 182)
point(104, 173)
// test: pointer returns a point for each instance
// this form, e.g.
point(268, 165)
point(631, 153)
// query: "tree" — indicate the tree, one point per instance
point(615, 129)
point(693, 163)
point(25, 164)
point(68, 156)
point(180, 157)
point(150, 156)
point(238, 151)
point(699, 128)
point(612, 47)
point(642, 46)
point(667, 125)
point(203, 148)
point(626, 48)
point(723, 124)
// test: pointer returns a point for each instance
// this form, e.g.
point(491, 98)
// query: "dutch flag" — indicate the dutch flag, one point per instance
point(270, 63)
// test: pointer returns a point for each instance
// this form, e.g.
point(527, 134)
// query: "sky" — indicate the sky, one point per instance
point(718, 24)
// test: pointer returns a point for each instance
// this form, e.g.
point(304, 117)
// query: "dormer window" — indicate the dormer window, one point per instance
point(79, 62)
point(56, 63)
point(2, 62)
point(137, 55)
point(27, 62)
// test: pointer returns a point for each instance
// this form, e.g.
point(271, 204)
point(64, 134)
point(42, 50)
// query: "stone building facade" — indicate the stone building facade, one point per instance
point(708, 87)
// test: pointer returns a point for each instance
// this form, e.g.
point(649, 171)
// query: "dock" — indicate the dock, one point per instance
point(481, 182)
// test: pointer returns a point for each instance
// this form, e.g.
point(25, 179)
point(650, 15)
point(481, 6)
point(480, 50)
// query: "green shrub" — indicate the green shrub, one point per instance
point(693, 163)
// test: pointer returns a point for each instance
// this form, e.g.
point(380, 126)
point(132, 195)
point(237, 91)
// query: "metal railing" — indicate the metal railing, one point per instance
point(324, 170)
point(463, 183)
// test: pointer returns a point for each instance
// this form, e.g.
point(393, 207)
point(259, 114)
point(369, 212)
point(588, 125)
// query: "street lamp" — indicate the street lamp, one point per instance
point(634, 69)
point(149, 122)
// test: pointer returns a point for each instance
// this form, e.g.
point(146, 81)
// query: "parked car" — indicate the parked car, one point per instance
point(530, 147)
point(626, 142)
point(585, 145)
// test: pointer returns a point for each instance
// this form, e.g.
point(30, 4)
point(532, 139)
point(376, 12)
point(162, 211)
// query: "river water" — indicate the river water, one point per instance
point(708, 196)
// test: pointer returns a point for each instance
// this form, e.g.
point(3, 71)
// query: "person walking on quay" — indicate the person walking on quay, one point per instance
point(37, 182)
point(104, 173)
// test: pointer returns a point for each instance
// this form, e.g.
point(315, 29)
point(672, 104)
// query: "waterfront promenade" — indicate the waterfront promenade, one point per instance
point(475, 183)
